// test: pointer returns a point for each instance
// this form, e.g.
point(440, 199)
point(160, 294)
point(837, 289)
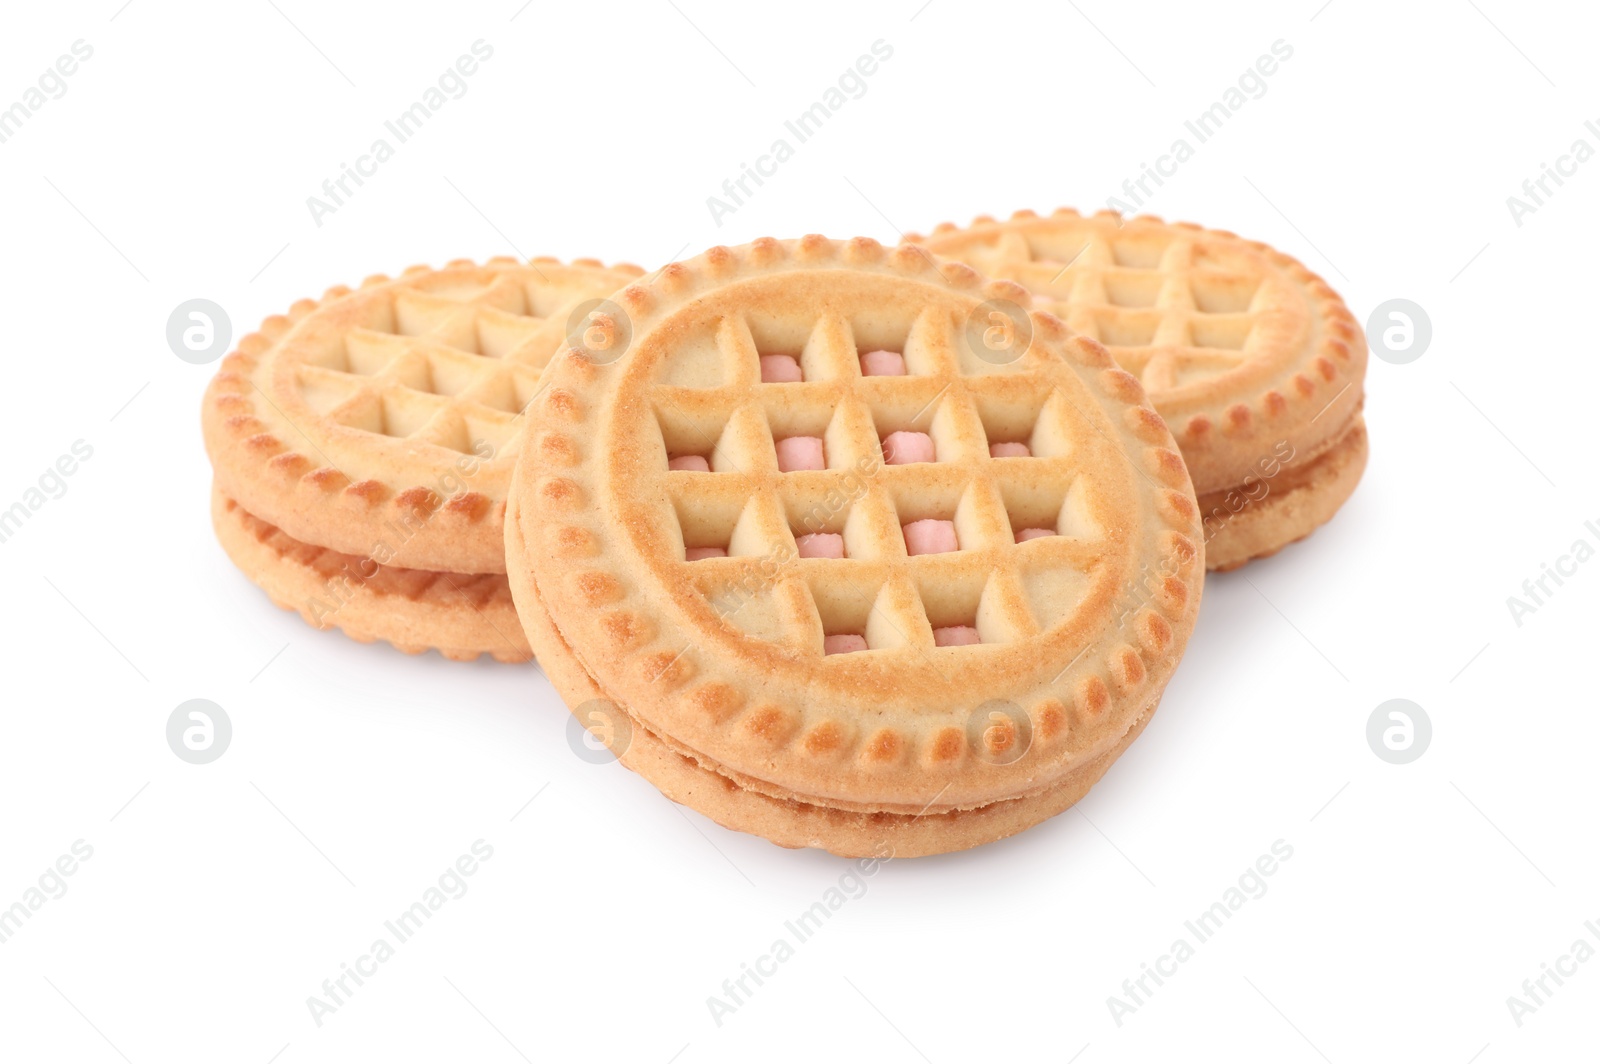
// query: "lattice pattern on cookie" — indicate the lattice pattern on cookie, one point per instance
point(358, 414)
point(665, 520)
point(451, 367)
point(1171, 307)
point(1239, 346)
point(756, 513)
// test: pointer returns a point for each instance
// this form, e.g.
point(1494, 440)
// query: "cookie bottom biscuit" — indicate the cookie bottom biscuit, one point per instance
point(461, 616)
point(1297, 503)
point(791, 823)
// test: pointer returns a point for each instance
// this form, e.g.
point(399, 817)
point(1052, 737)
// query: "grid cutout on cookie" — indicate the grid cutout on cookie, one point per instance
point(726, 656)
point(851, 553)
point(450, 366)
point(1171, 306)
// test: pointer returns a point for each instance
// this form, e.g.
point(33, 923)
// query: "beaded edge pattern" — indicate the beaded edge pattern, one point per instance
point(244, 444)
point(300, 561)
point(597, 593)
point(1341, 352)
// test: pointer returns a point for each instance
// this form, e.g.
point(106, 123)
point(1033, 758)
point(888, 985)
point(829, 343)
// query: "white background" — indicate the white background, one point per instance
point(219, 897)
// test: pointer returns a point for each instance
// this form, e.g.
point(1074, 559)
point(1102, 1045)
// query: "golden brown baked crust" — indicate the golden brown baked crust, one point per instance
point(1291, 506)
point(381, 421)
point(788, 822)
point(461, 616)
point(723, 657)
point(1239, 345)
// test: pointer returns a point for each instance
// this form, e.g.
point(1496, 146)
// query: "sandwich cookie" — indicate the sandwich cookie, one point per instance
point(1254, 361)
point(828, 555)
point(362, 444)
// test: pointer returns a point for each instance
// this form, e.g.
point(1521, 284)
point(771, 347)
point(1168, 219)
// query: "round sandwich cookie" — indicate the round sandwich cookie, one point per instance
point(461, 615)
point(1254, 361)
point(362, 445)
point(850, 549)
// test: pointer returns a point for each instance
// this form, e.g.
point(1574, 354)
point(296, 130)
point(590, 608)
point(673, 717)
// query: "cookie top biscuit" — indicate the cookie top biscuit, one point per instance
point(1240, 347)
point(735, 550)
point(379, 421)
